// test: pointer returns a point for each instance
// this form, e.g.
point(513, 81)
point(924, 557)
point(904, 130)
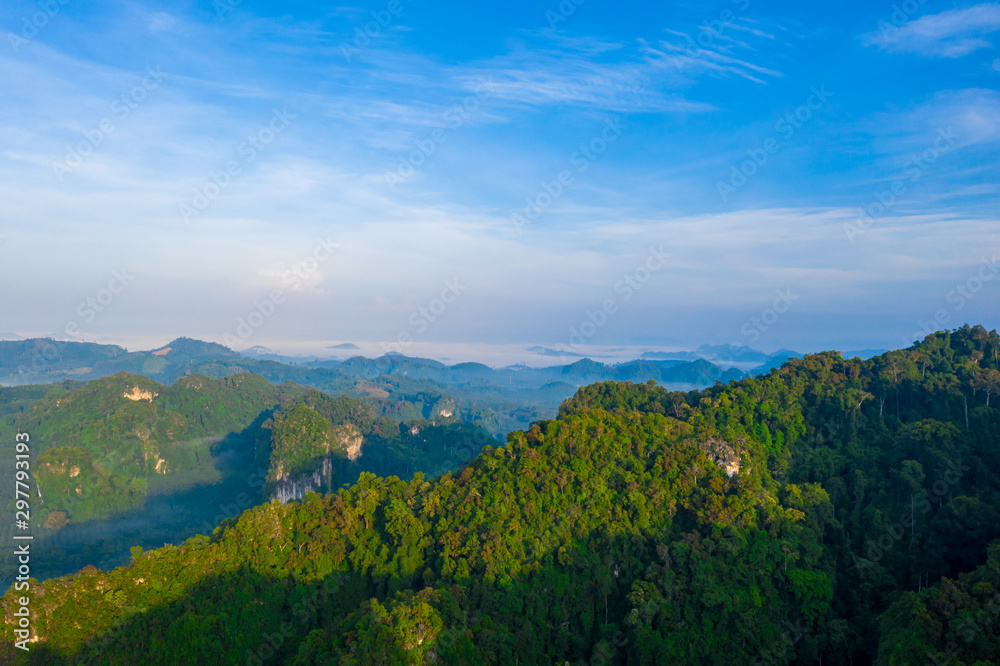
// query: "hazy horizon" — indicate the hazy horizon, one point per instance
point(450, 353)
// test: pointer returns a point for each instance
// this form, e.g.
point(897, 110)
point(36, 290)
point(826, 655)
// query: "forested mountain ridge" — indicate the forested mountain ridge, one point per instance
point(833, 510)
point(109, 436)
point(99, 443)
point(383, 383)
point(124, 458)
point(313, 442)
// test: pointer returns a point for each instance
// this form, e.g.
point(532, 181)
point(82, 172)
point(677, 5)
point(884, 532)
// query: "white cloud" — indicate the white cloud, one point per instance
point(971, 115)
point(300, 276)
point(693, 61)
point(583, 74)
point(949, 34)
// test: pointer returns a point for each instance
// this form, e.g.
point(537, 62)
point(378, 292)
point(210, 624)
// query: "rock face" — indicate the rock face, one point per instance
point(138, 394)
point(443, 409)
point(295, 489)
point(346, 438)
point(350, 438)
point(725, 455)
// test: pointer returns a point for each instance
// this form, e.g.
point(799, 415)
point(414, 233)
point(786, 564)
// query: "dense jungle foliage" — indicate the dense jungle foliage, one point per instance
point(832, 511)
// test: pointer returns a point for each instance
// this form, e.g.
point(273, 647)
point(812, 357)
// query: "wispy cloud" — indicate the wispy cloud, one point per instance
point(972, 114)
point(583, 73)
point(695, 61)
point(949, 34)
point(719, 49)
point(626, 77)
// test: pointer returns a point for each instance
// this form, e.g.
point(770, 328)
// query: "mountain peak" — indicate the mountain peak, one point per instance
point(191, 347)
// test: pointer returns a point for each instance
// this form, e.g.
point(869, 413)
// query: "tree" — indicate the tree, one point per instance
point(988, 380)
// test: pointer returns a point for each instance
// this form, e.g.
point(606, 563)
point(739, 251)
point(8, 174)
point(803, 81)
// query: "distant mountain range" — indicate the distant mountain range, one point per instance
point(545, 351)
point(42, 360)
point(728, 355)
point(402, 387)
point(583, 371)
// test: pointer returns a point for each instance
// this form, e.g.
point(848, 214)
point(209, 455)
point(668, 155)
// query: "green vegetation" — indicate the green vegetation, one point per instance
point(346, 435)
point(833, 511)
point(100, 444)
point(65, 471)
point(301, 438)
point(124, 460)
point(396, 386)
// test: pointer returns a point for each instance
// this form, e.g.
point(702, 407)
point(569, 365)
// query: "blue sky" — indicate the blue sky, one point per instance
point(332, 169)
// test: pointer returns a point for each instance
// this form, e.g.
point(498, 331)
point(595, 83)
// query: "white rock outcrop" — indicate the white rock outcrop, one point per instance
point(138, 394)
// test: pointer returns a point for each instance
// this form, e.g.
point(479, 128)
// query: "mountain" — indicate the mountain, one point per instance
point(698, 373)
point(670, 356)
point(45, 360)
point(114, 450)
point(263, 353)
point(728, 354)
point(98, 445)
point(831, 511)
point(863, 353)
point(400, 387)
point(184, 350)
point(775, 360)
point(39, 360)
point(545, 351)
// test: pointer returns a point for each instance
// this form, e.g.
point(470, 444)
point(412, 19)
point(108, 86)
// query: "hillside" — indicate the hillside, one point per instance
point(841, 511)
point(99, 444)
point(384, 383)
point(125, 458)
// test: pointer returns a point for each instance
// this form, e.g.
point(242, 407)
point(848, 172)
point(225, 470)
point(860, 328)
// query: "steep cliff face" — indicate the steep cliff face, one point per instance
point(347, 442)
point(287, 489)
point(303, 446)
